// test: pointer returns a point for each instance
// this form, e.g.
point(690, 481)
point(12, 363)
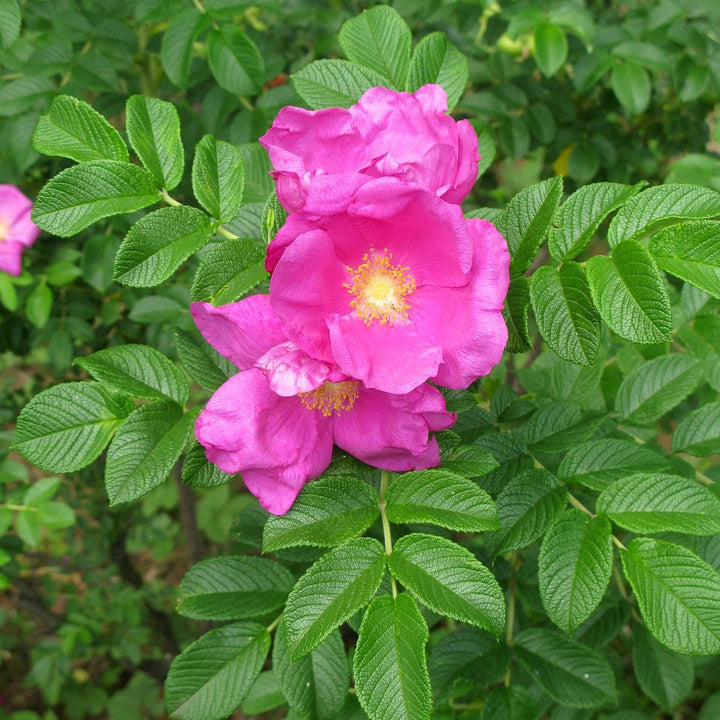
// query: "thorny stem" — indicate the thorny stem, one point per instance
point(384, 482)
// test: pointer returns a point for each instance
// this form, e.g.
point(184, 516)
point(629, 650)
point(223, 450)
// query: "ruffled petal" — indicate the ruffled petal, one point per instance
point(242, 331)
point(276, 443)
point(468, 159)
point(391, 431)
point(291, 371)
point(306, 287)
point(11, 256)
point(394, 359)
point(491, 265)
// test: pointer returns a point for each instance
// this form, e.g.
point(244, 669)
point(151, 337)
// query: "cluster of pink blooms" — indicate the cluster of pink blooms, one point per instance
point(378, 285)
point(17, 230)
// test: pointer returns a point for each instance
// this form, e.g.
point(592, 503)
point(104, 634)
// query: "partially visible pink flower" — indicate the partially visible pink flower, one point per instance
point(275, 422)
point(17, 230)
point(391, 283)
point(386, 134)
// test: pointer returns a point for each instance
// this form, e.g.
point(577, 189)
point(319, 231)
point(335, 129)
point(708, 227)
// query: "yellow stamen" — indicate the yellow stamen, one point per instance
point(380, 289)
point(331, 397)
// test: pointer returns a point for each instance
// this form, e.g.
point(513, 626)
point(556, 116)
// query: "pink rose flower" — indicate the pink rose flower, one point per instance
point(17, 230)
point(391, 283)
point(386, 134)
point(276, 421)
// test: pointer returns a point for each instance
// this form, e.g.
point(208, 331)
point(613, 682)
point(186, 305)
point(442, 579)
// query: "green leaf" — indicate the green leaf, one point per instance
point(176, 50)
point(631, 85)
point(487, 150)
point(218, 177)
point(10, 22)
point(441, 498)
point(556, 427)
point(264, 695)
point(153, 127)
point(139, 371)
point(327, 512)
point(570, 673)
point(646, 55)
point(379, 39)
point(526, 219)
point(391, 677)
point(273, 218)
point(145, 449)
point(470, 462)
point(579, 217)
point(515, 314)
point(466, 654)
point(436, 60)
point(204, 364)
point(17, 96)
point(449, 579)
point(233, 587)
point(210, 678)
point(597, 463)
point(334, 83)
point(662, 205)
point(655, 387)
point(83, 194)
point(527, 507)
point(698, 433)
point(198, 471)
point(629, 293)
point(678, 594)
point(73, 129)
point(691, 251)
point(28, 527)
point(41, 491)
point(65, 428)
point(55, 515)
point(315, 685)
point(652, 503)
point(156, 309)
point(229, 271)
point(551, 48)
point(565, 314)
point(38, 305)
point(574, 568)
point(332, 590)
point(159, 243)
point(235, 61)
point(664, 676)
point(513, 702)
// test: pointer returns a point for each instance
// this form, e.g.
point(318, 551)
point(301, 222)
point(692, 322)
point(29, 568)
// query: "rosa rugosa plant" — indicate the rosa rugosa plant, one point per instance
point(562, 560)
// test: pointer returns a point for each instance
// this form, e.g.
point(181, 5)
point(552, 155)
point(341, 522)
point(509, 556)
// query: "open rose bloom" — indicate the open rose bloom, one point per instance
point(386, 134)
point(276, 421)
point(17, 230)
point(379, 284)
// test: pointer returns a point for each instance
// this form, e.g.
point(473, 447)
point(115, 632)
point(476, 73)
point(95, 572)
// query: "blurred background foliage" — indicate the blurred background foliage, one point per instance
point(592, 90)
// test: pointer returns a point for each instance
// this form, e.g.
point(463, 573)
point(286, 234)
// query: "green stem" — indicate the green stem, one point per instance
point(577, 504)
point(199, 6)
point(274, 623)
point(617, 543)
point(19, 508)
point(220, 230)
point(170, 200)
point(511, 613)
point(384, 482)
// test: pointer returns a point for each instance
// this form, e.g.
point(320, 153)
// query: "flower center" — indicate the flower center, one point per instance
point(380, 288)
point(331, 397)
point(3, 229)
